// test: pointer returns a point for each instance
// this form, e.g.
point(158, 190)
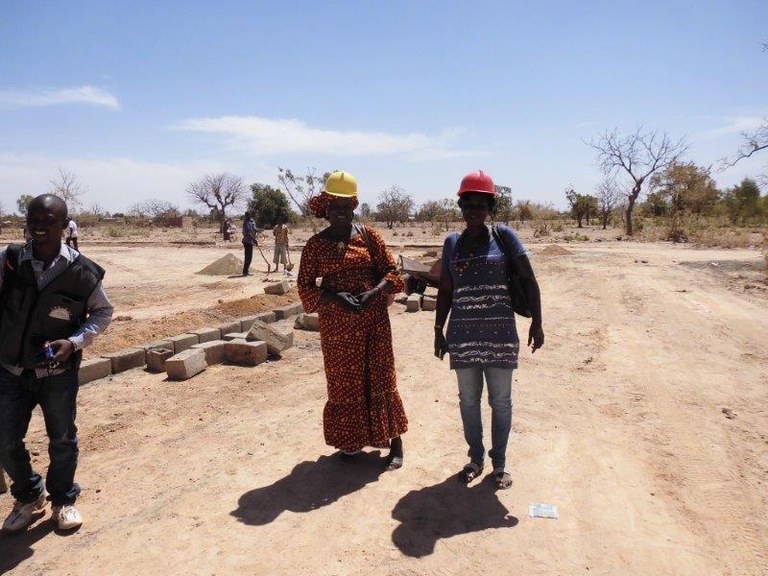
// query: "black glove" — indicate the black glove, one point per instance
point(349, 301)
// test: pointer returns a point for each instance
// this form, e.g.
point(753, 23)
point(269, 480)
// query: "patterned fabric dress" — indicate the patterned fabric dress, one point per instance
point(364, 407)
point(481, 330)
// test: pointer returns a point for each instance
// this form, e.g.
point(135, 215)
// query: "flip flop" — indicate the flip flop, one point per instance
point(470, 472)
point(502, 478)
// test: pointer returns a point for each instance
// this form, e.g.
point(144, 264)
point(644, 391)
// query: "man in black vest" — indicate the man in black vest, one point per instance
point(52, 305)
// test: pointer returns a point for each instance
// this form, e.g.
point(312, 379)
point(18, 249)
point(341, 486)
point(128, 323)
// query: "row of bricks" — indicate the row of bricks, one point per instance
point(114, 362)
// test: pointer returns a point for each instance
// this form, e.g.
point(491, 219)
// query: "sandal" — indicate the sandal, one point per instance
point(394, 462)
point(470, 472)
point(503, 478)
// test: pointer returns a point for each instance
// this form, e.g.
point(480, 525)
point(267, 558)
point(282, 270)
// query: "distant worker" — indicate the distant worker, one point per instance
point(280, 256)
point(52, 305)
point(249, 241)
point(72, 234)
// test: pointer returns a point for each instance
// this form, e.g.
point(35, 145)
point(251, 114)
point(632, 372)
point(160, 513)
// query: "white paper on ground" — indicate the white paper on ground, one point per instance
point(540, 510)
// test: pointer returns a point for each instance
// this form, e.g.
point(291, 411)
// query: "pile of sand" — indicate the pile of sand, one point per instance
point(224, 266)
point(555, 250)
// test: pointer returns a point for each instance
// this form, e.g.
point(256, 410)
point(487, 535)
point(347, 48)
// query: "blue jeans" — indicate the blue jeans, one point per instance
point(57, 397)
point(499, 398)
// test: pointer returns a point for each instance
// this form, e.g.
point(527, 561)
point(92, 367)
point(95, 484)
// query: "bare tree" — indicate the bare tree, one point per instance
point(300, 188)
point(608, 196)
point(753, 142)
point(218, 192)
point(67, 186)
point(637, 156)
point(394, 206)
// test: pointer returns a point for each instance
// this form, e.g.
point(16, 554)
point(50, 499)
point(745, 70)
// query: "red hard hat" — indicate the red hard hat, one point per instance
point(477, 181)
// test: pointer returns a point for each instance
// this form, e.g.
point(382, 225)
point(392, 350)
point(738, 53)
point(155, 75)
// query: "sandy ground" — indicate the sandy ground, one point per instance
point(644, 419)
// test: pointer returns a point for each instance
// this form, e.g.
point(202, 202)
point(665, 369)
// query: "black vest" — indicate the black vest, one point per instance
point(29, 317)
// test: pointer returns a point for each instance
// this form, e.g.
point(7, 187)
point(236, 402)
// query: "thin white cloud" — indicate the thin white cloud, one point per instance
point(113, 183)
point(264, 136)
point(734, 125)
point(42, 98)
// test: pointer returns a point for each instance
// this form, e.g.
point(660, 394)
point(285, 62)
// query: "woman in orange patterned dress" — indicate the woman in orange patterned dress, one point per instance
point(357, 271)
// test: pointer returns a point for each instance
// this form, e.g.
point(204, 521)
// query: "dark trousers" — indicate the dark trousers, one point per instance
point(72, 242)
point(248, 248)
point(57, 398)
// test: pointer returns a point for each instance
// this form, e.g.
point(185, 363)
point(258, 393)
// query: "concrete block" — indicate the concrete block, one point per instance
point(287, 311)
point(281, 287)
point(207, 334)
point(428, 304)
point(247, 321)
point(214, 351)
point(157, 344)
point(248, 353)
point(183, 342)
point(276, 340)
point(266, 317)
point(306, 321)
point(413, 303)
point(185, 364)
point(235, 336)
point(156, 358)
point(94, 369)
point(123, 360)
point(226, 328)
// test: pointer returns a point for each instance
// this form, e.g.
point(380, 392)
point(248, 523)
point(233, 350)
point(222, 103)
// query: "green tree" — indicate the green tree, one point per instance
point(269, 206)
point(23, 203)
point(742, 202)
point(394, 206)
point(503, 210)
point(524, 210)
point(582, 205)
point(688, 187)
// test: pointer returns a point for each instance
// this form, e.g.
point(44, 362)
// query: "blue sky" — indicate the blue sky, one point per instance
point(141, 98)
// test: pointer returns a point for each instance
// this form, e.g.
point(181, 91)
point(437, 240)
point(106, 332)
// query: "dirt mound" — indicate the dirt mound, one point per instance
point(555, 250)
point(225, 266)
point(125, 331)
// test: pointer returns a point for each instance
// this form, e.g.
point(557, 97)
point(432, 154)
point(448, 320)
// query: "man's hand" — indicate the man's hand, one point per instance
point(441, 346)
point(535, 336)
point(63, 350)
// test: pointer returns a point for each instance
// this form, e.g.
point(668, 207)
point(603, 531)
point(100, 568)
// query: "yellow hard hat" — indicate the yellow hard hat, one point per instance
point(341, 184)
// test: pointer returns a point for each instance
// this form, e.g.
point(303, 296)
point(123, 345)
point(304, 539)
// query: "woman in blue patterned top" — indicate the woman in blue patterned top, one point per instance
point(482, 336)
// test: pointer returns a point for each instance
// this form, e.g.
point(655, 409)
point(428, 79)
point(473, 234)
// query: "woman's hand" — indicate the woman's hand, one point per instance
point(441, 346)
point(535, 336)
point(367, 297)
point(349, 301)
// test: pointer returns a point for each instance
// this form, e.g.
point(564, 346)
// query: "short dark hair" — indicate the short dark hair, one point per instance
point(50, 202)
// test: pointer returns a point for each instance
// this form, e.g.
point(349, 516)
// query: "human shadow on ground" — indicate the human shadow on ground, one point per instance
point(18, 547)
point(309, 486)
point(444, 510)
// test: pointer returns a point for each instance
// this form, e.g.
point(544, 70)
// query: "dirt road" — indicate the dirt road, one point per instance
point(644, 419)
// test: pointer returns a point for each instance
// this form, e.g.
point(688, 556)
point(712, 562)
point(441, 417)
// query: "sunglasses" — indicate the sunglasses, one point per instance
point(474, 206)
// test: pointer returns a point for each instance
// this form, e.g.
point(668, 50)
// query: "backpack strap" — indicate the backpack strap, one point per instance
point(13, 257)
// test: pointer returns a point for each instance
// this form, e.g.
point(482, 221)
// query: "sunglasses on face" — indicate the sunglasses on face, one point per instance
point(474, 206)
